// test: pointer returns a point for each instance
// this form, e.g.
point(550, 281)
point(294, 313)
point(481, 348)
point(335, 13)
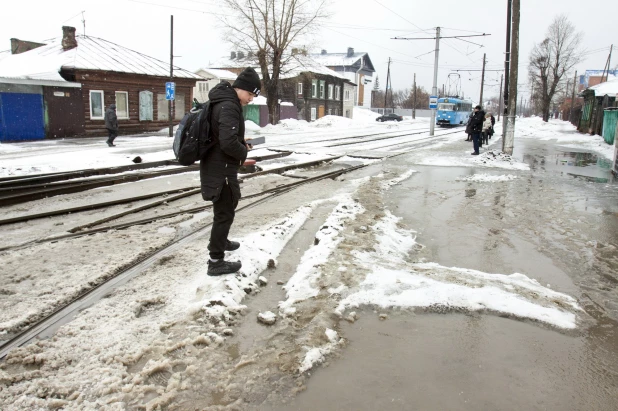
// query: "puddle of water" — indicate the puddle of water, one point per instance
point(458, 362)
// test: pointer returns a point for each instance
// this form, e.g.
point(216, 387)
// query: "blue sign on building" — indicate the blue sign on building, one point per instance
point(170, 91)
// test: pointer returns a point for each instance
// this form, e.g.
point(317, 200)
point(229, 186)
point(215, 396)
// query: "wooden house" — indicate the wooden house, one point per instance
point(107, 73)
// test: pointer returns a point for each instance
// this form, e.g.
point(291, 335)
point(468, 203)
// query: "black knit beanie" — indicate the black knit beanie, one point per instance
point(248, 80)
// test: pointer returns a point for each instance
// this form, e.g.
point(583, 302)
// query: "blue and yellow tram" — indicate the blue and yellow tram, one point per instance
point(453, 111)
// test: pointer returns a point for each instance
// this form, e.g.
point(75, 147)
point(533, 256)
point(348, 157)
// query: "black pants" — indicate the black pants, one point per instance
point(224, 210)
point(112, 136)
point(485, 137)
point(476, 140)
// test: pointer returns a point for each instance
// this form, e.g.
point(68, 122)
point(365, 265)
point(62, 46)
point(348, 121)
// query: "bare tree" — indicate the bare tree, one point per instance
point(268, 30)
point(551, 59)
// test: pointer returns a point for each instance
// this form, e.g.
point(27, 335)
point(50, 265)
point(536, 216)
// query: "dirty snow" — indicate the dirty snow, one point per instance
point(392, 282)
point(317, 355)
point(488, 178)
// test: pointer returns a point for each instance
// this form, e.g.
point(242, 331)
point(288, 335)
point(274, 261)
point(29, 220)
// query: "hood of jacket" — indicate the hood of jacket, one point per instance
point(223, 92)
point(112, 107)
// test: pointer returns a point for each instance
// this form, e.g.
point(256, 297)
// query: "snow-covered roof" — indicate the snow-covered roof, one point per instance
point(217, 73)
point(609, 88)
point(91, 53)
point(343, 60)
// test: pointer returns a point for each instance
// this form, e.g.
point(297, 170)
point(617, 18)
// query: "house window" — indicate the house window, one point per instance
point(179, 106)
point(122, 105)
point(330, 91)
point(96, 105)
point(347, 95)
point(203, 86)
point(330, 111)
point(313, 113)
point(321, 89)
point(145, 105)
point(162, 110)
point(337, 92)
point(300, 89)
point(314, 88)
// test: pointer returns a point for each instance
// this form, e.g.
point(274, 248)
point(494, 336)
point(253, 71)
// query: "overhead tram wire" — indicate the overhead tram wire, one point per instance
point(180, 8)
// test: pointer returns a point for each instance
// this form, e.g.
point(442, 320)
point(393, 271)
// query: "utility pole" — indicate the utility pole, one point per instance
point(482, 83)
point(573, 98)
point(507, 62)
point(608, 65)
point(414, 102)
point(170, 103)
point(434, 89)
point(509, 138)
point(521, 104)
point(500, 97)
point(388, 76)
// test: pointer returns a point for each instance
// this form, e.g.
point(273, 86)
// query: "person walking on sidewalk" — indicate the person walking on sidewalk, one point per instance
point(219, 167)
point(476, 126)
point(486, 128)
point(111, 124)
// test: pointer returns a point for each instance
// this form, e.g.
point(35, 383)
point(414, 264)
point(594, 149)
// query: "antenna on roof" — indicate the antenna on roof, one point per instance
point(84, 22)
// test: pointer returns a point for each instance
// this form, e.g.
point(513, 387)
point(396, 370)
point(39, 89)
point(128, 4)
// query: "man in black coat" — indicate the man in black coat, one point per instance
point(219, 167)
point(111, 124)
point(476, 126)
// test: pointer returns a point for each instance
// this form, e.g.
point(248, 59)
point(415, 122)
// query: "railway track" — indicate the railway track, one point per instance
point(64, 313)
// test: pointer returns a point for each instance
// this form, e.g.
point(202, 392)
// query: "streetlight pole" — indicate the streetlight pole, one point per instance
point(434, 89)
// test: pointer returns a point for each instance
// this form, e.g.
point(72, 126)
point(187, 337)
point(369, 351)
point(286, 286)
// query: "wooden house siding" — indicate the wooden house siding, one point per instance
point(305, 102)
point(133, 84)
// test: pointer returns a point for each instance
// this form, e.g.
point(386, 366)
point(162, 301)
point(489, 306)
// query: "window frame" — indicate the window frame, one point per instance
point(314, 88)
point(299, 89)
point(92, 117)
point(322, 90)
point(330, 92)
point(337, 93)
point(314, 113)
point(346, 95)
point(126, 93)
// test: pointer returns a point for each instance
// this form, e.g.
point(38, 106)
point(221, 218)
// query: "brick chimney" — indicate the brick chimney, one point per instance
point(233, 55)
point(350, 52)
point(323, 51)
point(241, 55)
point(68, 38)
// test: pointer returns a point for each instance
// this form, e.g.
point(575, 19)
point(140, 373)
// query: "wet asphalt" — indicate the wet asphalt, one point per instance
point(558, 224)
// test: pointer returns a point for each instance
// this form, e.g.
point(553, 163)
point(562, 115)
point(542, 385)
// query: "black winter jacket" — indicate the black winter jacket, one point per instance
point(476, 122)
point(227, 127)
point(111, 120)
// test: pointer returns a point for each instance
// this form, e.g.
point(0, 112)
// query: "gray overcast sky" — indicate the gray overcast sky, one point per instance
point(366, 25)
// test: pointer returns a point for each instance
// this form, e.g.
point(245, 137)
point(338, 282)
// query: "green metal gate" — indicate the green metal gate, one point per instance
point(610, 119)
point(252, 112)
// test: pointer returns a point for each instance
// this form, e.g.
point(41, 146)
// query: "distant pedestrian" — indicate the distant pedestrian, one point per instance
point(469, 128)
point(486, 128)
point(111, 124)
point(493, 123)
point(219, 167)
point(476, 126)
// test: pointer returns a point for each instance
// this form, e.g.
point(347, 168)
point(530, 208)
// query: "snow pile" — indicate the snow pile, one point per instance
point(251, 126)
point(333, 122)
point(488, 178)
point(393, 282)
point(302, 285)
point(364, 115)
point(499, 159)
point(317, 355)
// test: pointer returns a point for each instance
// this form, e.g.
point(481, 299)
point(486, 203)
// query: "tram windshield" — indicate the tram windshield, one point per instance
point(446, 107)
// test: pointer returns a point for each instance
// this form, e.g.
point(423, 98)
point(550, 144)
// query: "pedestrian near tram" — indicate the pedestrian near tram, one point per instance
point(476, 126)
point(219, 167)
point(486, 128)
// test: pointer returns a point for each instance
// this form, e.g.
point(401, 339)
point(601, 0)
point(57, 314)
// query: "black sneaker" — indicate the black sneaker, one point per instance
point(232, 245)
point(223, 267)
point(475, 154)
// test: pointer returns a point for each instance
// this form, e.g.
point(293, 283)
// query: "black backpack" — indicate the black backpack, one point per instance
point(192, 139)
